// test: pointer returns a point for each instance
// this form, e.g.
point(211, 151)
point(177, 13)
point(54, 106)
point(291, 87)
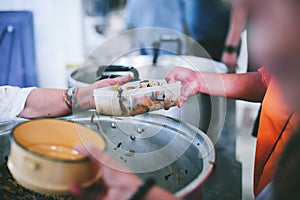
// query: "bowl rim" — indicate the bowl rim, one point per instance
point(13, 140)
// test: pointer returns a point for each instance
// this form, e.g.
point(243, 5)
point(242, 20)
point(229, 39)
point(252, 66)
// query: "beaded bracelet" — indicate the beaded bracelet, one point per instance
point(76, 106)
point(68, 99)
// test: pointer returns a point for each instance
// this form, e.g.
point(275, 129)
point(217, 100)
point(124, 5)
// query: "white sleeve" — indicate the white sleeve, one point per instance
point(12, 102)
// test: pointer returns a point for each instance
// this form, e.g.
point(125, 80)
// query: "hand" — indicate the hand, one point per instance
point(108, 82)
point(119, 182)
point(230, 60)
point(190, 82)
point(85, 97)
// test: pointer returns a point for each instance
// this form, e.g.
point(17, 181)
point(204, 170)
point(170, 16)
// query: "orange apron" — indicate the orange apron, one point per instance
point(277, 123)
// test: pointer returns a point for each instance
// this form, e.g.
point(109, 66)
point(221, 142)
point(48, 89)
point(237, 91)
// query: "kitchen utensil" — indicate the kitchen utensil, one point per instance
point(43, 159)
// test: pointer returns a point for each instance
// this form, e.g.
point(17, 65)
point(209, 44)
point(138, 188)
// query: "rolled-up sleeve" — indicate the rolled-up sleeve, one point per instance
point(12, 102)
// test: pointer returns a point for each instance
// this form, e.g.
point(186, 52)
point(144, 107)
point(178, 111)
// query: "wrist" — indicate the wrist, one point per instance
point(84, 99)
point(230, 49)
point(200, 82)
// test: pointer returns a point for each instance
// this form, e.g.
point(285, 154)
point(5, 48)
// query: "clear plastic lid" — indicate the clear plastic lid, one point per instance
point(137, 97)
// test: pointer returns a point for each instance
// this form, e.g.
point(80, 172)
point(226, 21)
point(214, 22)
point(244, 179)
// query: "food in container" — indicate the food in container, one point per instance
point(137, 97)
point(43, 158)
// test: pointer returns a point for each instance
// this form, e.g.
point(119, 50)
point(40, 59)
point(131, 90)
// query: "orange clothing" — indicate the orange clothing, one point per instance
point(274, 115)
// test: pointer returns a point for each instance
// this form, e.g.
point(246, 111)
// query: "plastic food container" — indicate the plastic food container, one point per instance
point(137, 97)
point(43, 158)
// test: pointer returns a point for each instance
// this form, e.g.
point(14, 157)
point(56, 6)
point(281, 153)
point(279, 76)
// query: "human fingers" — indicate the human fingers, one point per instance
point(121, 80)
point(174, 75)
point(186, 91)
point(112, 81)
point(230, 60)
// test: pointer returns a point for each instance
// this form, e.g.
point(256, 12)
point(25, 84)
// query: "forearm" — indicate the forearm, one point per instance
point(43, 102)
point(246, 86)
point(51, 102)
point(238, 20)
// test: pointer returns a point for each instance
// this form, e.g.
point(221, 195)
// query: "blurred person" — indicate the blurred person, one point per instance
point(282, 58)
point(278, 119)
point(238, 19)
point(155, 13)
point(43, 102)
point(165, 14)
point(285, 185)
point(207, 22)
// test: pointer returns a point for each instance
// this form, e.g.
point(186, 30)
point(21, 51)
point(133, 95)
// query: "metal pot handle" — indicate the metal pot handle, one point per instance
point(165, 39)
point(116, 68)
point(31, 164)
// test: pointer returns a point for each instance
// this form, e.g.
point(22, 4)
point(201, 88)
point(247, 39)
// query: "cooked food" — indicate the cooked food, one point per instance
point(142, 84)
point(137, 97)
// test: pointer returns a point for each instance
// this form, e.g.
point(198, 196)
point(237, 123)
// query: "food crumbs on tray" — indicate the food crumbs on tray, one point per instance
point(130, 153)
point(178, 177)
point(115, 87)
point(170, 169)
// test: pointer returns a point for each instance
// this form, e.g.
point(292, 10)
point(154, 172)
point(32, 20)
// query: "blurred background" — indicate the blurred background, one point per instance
point(65, 32)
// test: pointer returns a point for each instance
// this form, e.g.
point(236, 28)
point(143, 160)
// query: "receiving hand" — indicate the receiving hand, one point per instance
point(230, 60)
point(111, 81)
point(119, 182)
point(85, 95)
point(190, 82)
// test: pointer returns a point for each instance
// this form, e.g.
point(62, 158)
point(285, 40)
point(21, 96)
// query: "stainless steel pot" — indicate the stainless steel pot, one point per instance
point(146, 69)
point(178, 156)
point(202, 111)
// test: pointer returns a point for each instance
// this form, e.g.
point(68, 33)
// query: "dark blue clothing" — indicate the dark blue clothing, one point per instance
point(17, 49)
point(155, 13)
point(208, 23)
point(207, 19)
